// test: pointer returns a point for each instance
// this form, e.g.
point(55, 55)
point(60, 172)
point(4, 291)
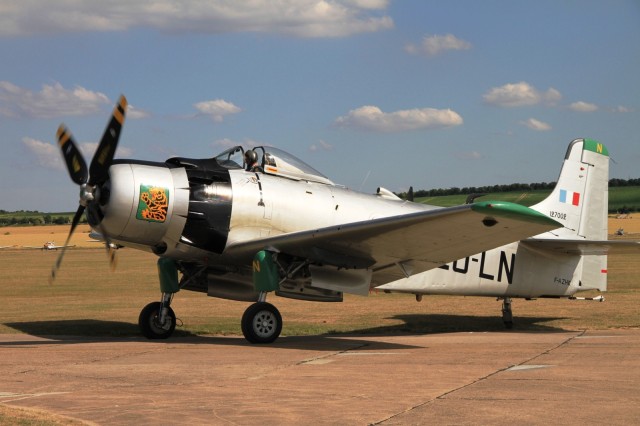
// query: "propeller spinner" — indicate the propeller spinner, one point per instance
point(91, 179)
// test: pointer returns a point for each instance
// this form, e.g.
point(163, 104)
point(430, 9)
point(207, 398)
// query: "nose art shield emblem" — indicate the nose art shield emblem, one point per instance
point(153, 204)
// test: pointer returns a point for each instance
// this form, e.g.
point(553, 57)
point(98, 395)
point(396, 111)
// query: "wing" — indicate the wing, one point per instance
point(584, 247)
point(399, 246)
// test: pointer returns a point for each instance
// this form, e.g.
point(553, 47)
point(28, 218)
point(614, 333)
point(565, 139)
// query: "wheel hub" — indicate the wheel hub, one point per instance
point(264, 324)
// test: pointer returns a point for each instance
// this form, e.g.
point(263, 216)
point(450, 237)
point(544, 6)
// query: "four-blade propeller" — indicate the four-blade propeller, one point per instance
point(91, 179)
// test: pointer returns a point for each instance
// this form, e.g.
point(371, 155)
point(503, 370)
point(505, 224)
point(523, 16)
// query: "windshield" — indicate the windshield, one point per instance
point(273, 161)
point(233, 158)
point(278, 162)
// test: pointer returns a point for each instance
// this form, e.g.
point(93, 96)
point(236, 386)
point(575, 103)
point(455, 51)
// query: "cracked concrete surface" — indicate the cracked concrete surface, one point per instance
point(450, 378)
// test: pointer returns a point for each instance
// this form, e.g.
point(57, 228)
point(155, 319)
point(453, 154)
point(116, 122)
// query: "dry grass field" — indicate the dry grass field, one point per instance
point(90, 299)
point(20, 236)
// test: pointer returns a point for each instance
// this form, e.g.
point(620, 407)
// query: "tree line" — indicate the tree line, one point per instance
point(31, 220)
point(505, 188)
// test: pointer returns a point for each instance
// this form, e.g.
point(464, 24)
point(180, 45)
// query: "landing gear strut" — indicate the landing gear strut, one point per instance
point(157, 320)
point(261, 322)
point(507, 316)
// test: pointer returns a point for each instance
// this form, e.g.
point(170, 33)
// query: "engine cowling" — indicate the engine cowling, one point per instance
point(146, 205)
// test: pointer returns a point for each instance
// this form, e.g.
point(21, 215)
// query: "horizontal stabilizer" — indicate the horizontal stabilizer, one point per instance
point(585, 247)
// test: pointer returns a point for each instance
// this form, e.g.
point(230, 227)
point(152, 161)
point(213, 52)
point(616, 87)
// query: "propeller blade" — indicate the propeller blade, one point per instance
point(111, 253)
point(99, 169)
point(75, 162)
point(74, 223)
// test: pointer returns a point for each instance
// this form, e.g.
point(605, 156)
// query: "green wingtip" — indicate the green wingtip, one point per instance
point(513, 211)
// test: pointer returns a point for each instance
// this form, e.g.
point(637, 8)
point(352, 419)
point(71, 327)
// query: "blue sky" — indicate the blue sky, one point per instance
point(370, 92)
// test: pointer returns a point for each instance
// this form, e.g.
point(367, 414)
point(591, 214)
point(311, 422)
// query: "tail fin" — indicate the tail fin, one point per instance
point(580, 202)
point(580, 199)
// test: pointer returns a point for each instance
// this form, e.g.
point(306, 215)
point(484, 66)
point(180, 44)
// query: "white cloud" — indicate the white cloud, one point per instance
point(217, 109)
point(321, 146)
point(52, 101)
point(301, 18)
point(581, 106)
point(372, 118)
point(468, 155)
point(226, 143)
point(137, 114)
point(435, 44)
point(48, 155)
point(44, 154)
point(536, 125)
point(622, 109)
point(89, 148)
point(520, 94)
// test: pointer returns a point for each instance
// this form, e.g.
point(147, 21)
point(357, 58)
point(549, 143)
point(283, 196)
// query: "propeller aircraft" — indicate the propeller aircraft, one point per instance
point(236, 230)
point(49, 245)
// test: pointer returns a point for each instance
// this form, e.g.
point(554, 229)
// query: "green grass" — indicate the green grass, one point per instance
point(619, 197)
point(29, 214)
point(30, 218)
point(524, 198)
point(624, 196)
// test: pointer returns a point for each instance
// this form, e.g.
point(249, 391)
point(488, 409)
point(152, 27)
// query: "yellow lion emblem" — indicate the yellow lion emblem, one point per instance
point(157, 204)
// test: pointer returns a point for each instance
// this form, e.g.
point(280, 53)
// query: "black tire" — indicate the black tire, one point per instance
point(148, 322)
point(261, 323)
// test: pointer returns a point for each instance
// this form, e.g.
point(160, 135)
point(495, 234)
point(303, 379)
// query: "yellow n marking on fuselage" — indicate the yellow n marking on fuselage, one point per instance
point(599, 148)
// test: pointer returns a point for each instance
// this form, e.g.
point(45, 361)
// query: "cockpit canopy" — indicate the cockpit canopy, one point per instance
point(273, 161)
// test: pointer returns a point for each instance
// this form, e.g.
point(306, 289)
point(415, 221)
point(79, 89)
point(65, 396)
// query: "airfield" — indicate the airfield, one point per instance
point(71, 353)
point(451, 378)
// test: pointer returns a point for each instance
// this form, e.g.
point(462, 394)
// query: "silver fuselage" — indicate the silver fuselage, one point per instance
point(262, 205)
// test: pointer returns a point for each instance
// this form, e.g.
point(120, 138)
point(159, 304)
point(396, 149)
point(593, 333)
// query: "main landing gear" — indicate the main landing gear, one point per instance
point(157, 320)
point(507, 315)
point(261, 322)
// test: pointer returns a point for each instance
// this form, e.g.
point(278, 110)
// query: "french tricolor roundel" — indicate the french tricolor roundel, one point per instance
point(569, 197)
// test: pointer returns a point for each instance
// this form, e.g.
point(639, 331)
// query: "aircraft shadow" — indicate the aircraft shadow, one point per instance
point(74, 330)
point(90, 330)
point(95, 331)
point(438, 323)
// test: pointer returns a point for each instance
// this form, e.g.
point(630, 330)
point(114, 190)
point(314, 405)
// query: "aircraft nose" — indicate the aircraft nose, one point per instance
point(146, 204)
point(117, 199)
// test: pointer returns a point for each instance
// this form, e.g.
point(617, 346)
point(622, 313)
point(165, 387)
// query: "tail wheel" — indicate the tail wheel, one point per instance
point(149, 322)
point(261, 323)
